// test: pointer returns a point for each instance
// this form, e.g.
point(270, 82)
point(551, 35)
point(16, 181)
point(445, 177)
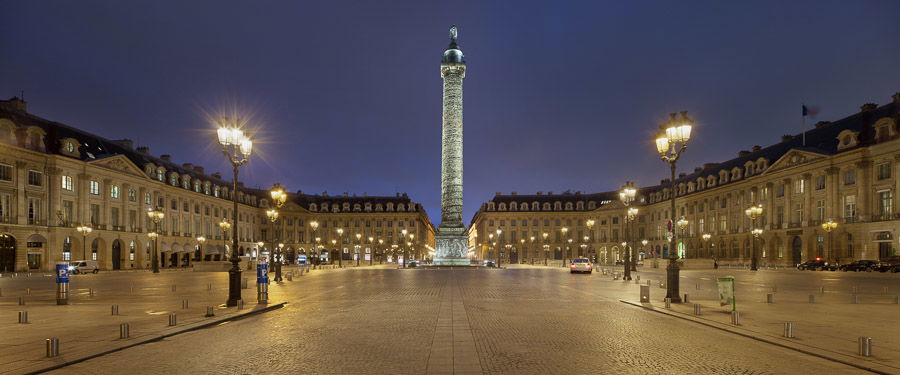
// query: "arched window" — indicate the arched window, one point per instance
point(161, 174)
point(216, 192)
point(513, 206)
point(173, 179)
point(557, 206)
point(535, 206)
point(132, 246)
point(547, 206)
point(568, 206)
point(379, 207)
point(356, 207)
point(491, 206)
point(368, 207)
point(390, 206)
point(579, 206)
point(501, 207)
point(346, 206)
point(312, 207)
point(186, 182)
point(592, 205)
point(206, 188)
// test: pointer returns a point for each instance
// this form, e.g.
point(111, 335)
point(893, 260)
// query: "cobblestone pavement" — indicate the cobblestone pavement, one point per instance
point(513, 321)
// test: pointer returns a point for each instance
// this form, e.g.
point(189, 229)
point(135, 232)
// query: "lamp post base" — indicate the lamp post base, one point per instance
point(672, 278)
point(234, 285)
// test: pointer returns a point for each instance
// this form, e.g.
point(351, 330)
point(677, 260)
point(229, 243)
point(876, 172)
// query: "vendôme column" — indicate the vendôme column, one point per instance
point(451, 240)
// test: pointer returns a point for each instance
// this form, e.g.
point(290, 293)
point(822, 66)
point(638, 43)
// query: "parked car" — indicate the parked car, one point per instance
point(889, 264)
point(84, 266)
point(812, 265)
point(490, 263)
point(581, 265)
point(831, 267)
point(860, 265)
point(413, 263)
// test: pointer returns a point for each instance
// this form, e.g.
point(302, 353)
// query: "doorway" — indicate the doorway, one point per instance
point(7, 253)
point(117, 255)
point(796, 249)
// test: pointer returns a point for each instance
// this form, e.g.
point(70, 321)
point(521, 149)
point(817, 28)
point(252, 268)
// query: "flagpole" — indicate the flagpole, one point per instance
point(803, 124)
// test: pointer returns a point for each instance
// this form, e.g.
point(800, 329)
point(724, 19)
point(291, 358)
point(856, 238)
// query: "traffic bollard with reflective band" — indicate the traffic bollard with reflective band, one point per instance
point(865, 346)
point(62, 284)
point(210, 312)
point(124, 331)
point(736, 318)
point(23, 317)
point(668, 302)
point(52, 347)
point(184, 304)
point(173, 320)
point(696, 309)
point(789, 330)
point(262, 283)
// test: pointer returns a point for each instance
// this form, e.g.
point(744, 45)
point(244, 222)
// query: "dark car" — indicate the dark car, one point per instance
point(860, 265)
point(889, 264)
point(490, 263)
point(413, 263)
point(812, 265)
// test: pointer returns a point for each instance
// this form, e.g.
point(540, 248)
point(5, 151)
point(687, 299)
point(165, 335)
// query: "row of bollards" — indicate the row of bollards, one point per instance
point(114, 310)
point(124, 331)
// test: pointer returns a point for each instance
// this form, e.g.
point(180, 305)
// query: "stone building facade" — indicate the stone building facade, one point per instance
point(54, 178)
point(845, 171)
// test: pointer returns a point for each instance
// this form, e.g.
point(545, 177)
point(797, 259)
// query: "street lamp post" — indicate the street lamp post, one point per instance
point(279, 197)
point(565, 236)
point(829, 226)
point(546, 247)
point(753, 213)
point(533, 250)
point(272, 214)
point(315, 226)
point(405, 256)
point(381, 246)
point(85, 231)
point(156, 215)
point(644, 246)
point(626, 195)
point(590, 225)
point(334, 247)
point(706, 237)
point(520, 250)
point(201, 240)
point(499, 252)
point(340, 232)
point(371, 251)
point(237, 148)
point(357, 248)
point(225, 225)
point(670, 144)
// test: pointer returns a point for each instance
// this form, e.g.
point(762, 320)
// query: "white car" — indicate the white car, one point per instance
point(581, 265)
point(84, 266)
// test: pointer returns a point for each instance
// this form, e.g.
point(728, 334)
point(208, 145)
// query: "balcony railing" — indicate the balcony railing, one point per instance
point(794, 225)
point(882, 217)
point(851, 219)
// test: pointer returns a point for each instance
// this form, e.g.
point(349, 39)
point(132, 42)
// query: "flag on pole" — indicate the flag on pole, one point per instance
point(810, 111)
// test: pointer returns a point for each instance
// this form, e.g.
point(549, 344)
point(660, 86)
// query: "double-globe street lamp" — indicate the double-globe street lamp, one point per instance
point(85, 231)
point(340, 232)
point(225, 225)
point(237, 148)
point(671, 142)
point(829, 226)
point(156, 215)
point(590, 224)
point(753, 212)
point(315, 226)
point(279, 197)
point(200, 241)
point(626, 196)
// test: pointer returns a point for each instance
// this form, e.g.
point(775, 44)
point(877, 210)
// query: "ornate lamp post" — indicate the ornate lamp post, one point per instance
point(371, 251)
point(520, 250)
point(499, 252)
point(279, 197)
point(682, 223)
point(225, 225)
point(565, 236)
point(533, 250)
point(590, 224)
point(405, 249)
point(259, 249)
point(334, 246)
point(626, 195)
point(415, 254)
point(340, 232)
point(706, 237)
point(753, 213)
point(546, 247)
point(315, 226)
point(85, 230)
point(830, 226)
point(237, 149)
point(381, 246)
point(356, 248)
point(272, 215)
point(670, 144)
point(153, 236)
point(201, 240)
point(644, 246)
point(156, 215)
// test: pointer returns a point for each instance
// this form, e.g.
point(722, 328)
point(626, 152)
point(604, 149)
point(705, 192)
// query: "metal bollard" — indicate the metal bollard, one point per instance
point(174, 288)
point(789, 330)
point(668, 303)
point(27, 291)
point(897, 300)
point(865, 346)
point(240, 304)
point(21, 301)
point(115, 309)
point(208, 287)
point(173, 320)
point(686, 298)
point(854, 299)
point(184, 304)
point(244, 283)
point(124, 332)
point(736, 318)
point(290, 277)
point(209, 311)
point(52, 347)
point(884, 290)
point(62, 284)
point(637, 278)
point(23, 317)
point(91, 292)
point(821, 290)
point(645, 294)
point(812, 298)
point(696, 309)
point(697, 286)
point(770, 298)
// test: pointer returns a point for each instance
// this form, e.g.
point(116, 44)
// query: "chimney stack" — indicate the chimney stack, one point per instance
point(188, 166)
point(540, 193)
point(709, 165)
point(198, 169)
point(867, 107)
point(756, 148)
point(217, 175)
point(144, 150)
point(743, 153)
point(896, 98)
point(786, 137)
point(166, 157)
point(127, 143)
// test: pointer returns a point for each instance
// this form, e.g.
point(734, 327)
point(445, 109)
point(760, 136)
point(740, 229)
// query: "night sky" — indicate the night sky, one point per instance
point(346, 96)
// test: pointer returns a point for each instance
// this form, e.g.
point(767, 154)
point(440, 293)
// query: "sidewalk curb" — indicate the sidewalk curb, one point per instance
point(160, 337)
point(757, 338)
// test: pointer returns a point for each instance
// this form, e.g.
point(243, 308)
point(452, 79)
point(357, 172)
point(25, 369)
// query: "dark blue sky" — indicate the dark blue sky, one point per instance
point(347, 95)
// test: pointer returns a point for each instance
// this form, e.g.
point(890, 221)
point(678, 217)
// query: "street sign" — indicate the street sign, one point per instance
point(726, 291)
point(62, 273)
point(262, 273)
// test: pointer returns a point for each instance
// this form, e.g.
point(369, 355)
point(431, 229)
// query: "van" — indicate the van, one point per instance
point(84, 266)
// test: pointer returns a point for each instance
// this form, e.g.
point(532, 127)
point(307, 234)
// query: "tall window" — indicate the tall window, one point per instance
point(799, 186)
point(850, 176)
point(885, 204)
point(132, 195)
point(160, 175)
point(6, 172)
point(779, 190)
point(849, 206)
point(798, 213)
point(35, 178)
point(67, 183)
point(68, 211)
point(114, 216)
point(34, 211)
point(67, 249)
point(820, 182)
point(173, 180)
point(884, 171)
point(849, 245)
point(95, 214)
point(114, 192)
point(820, 210)
point(5, 207)
point(95, 188)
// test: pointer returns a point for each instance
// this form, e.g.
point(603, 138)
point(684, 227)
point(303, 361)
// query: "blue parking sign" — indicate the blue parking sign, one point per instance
point(262, 273)
point(62, 273)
